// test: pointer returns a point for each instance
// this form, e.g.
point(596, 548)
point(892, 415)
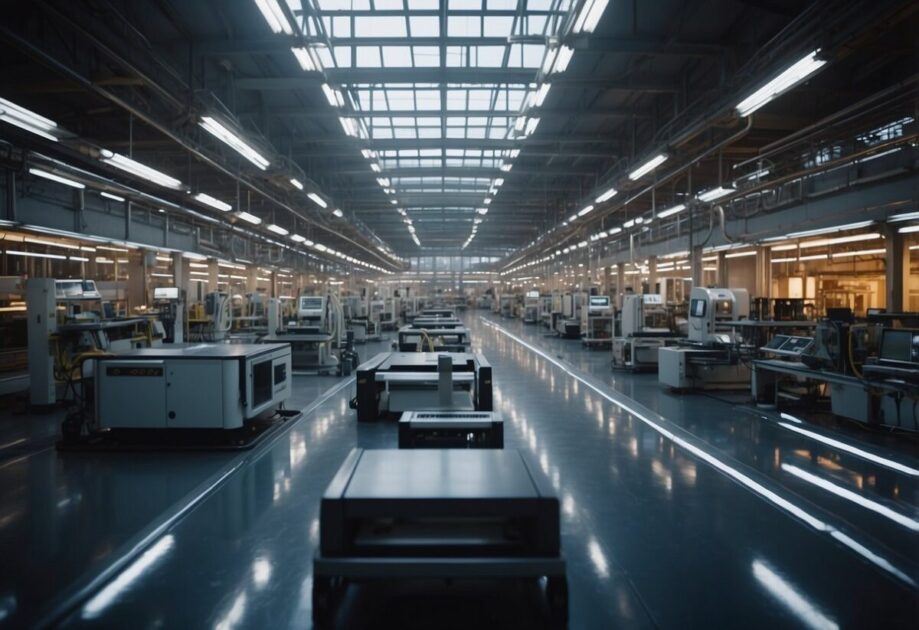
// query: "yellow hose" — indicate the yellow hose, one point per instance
point(852, 355)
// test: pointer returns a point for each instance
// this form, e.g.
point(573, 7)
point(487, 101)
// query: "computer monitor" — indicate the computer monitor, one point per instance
point(900, 345)
point(697, 307)
point(601, 301)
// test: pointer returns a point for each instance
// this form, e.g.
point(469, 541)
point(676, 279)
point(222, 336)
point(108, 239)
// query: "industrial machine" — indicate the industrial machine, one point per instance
point(869, 370)
point(213, 319)
point(531, 307)
point(451, 429)
point(597, 320)
point(437, 334)
point(646, 327)
point(438, 514)
point(167, 303)
point(202, 386)
point(393, 382)
point(67, 322)
point(568, 322)
point(506, 306)
point(711, 357)
point(313, 336)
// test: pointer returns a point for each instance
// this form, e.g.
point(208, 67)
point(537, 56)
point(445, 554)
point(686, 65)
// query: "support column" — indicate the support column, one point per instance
point(179, 279)
point(897, 269)
point(212, 272)
point(695, 264)
point(620, 283)
point(763, 280)
point(722, 273)
point(652, 273)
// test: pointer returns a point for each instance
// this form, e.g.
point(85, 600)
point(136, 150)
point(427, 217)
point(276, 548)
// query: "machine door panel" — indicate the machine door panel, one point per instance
point(132, 394)
point(193, 395)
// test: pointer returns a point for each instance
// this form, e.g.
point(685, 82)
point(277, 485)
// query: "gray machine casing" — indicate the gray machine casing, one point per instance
point(204, 386)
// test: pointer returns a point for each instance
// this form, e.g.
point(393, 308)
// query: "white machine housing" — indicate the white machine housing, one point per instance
point(709, 308)
point(204, 386)
point(312, 309)
point(636, 311)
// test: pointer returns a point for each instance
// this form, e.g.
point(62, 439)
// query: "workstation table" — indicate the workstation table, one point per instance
point(867, 401)
point(438, 514)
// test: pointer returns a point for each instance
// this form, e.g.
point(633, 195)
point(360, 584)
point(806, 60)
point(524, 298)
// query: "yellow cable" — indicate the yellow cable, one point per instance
point(852, 356)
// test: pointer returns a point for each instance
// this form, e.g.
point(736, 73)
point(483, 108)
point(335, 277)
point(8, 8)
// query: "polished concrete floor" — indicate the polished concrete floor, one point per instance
point(678, 511)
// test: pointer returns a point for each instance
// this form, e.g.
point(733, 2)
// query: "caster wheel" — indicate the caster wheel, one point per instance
point(557, 597)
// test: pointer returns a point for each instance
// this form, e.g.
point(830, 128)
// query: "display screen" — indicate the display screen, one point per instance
point(532, 294)
point(697, 307)
point(600, 300)
point(310, 303)
point(900, 345)
point(166, 293)
point(796, 344)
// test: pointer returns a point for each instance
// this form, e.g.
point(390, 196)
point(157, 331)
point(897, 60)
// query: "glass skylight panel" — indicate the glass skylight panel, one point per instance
point(429, 132)
point(426, 56)
point(424, 25)
point(535, 25)
point(341, 27)
point(429, 121)
point(325, 56)
point(397, 56)
point(344, 5)
point(380, 26)
point(400, 121)
point(464, 26)
point(381, 133)
point(428, 99)
point(526, 55)
point(497, 26)
point(343, 56)
point(422, 5)
point(487, 56)
point(431, 153)
point(388, 5)
point(405, 133)
point(480, 99)
point(505, 5)
point(367, 57)
point(465, 5)
point(456, 99)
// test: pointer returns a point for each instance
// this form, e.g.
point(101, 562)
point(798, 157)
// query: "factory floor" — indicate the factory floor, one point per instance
point(678, 511)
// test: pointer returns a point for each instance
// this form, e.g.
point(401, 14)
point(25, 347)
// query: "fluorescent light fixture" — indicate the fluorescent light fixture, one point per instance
point(532, 123)
point(829, 230)
point(111, 196)
point(813, 257)
point(28, 120)
point(274, 15)
point(740, 254)
point(585, 210)
point(482, 211)
point(754, 176)
point(56, 178)
point(375, 167)
point(333, 96)
point(505, 168)
point(648, 166)
point(906, 216)
point(383, 181)
point(338, 213)
point(628, 224)
point(193, 256)
point(14, 252)
point(296, 183)
point(305, 59)
point(572, 218)
point(910, 229)
point(663, 214)
point(319, 201)
point(213, 202)
point(861, 252)
point(487, 201)
point(563, 59)
point(614, 231)
point(582, 244)
point(790, 77)
point(225, 135)
point(140, 170)
point(251, 218)
point(367, 153)
point(841, 240)
point(542, 93)
point(715, 193)
point(320, 247)
point(297, 238)
point(277, 229)
point(609, 194)
point(783, 260)
point(349, 125)
point(589, 16)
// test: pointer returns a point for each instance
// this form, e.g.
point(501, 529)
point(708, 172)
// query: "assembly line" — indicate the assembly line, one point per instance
point(497, 314)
